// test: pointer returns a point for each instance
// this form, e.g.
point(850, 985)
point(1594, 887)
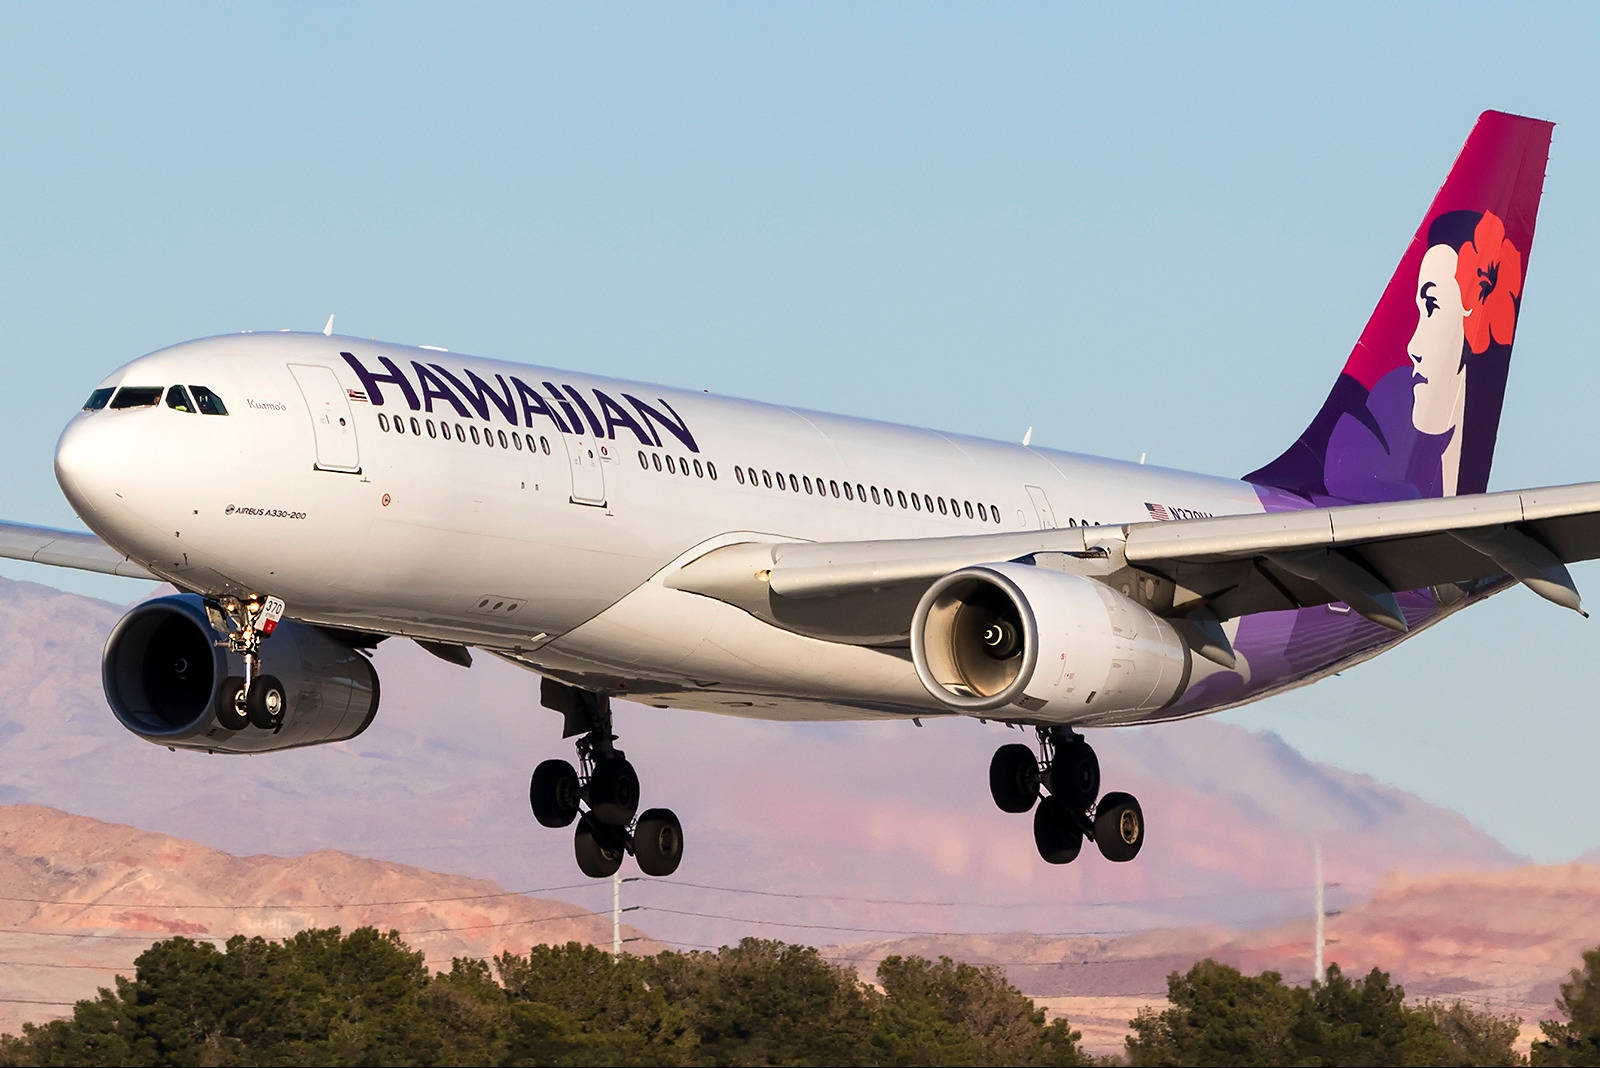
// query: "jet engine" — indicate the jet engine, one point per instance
point(163, 674)
point(1062, 647)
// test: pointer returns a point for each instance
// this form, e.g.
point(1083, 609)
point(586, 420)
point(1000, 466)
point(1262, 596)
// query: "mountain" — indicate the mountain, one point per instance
point(83, 898)
point(815, 832)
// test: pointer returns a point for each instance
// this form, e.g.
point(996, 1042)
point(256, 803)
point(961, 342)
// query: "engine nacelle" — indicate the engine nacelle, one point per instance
point(163, 674)
point(1062, 647)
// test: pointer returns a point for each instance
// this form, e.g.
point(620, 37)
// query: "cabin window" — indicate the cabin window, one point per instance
point(848, 495)
point(699, 472)
point(516, 439)
point(766, 479)
point(834, 486)
point(875, 499)
point(966, 506)
point(644, 461)
point(738, 473)
point(901, 494)
point(711, 469)
point(502, 435)
point(474, 432)
point(671, 469)
point(383, 422)
point(544, 444)
point(432, 433)
point(98, 399)
point(416, 427)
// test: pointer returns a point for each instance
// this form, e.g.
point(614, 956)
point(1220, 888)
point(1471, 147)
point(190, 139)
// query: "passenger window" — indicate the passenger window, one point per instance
point(137, 397)
point(474, 431)
point(683, 467)
point(544, 445)
point(994, 512)
point(383, 422)
point(766, 479)
point(902, 496)
point(516, 439)
point(916, 503)
point(711, 469)
point(875, 499)
point(208, 402)
point(927, 503)
point(533, 446)
point(178, 400)
point(738, 473)
point(98, 399)
point(806, 482)
point(698, 471)
point(671, 468)
point(834, 486)
point(861, 493)
point(644, 461)
point(967, 507)
point(399, 425)
point(416, 427)
point(794, 483)
point(656, 459)
point(941, 506)
point(502, 435)
point(848, 495)
point(432, 433)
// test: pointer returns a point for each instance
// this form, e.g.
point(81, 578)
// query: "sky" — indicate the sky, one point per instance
point(1148, 231)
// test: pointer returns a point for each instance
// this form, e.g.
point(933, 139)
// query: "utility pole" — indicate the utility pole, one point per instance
point(616, 915)
point(1316, 965)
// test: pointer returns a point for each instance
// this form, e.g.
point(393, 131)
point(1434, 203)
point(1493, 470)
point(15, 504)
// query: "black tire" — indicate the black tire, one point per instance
point(231, 712)
point(1075, 775)
point(614, 792)
point(266, 702)
point(554, 793)
point(598, 848)
point(1055, 832)
point(658, 842)
point(1119, 827)
point(1014, 778)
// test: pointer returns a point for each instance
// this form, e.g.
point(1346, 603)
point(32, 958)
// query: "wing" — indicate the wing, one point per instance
point(865, 592)
point(66, 548)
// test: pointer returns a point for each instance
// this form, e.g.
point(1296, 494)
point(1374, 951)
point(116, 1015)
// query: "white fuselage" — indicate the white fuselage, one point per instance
point(553, 559)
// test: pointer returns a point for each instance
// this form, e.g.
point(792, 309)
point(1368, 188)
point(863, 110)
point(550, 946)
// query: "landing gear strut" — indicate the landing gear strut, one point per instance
point(1067, 767)
point(605, 781)
point(257, 699)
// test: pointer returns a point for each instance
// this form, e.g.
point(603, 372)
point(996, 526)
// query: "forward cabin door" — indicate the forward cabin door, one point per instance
point(583, 457)
point(331, 421)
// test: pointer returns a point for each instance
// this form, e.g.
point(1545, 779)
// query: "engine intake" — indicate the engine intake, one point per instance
point(1063, 647)
point(163, 675)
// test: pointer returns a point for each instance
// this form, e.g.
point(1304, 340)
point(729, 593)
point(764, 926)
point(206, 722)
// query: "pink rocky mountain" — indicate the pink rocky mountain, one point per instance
point(808, 832)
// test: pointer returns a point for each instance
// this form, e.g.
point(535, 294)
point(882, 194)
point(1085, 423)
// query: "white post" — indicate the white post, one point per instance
point(616, 917)
point(1316, 966)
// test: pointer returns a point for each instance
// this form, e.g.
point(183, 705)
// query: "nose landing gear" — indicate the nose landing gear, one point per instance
point(606, 782)
point(257, 699)
point(1069, 769)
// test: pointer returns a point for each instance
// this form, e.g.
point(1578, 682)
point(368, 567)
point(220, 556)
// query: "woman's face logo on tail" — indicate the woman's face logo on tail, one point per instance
point(1437, 364)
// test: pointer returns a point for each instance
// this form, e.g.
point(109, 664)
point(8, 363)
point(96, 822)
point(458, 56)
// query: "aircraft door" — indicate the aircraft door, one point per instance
point(1041, 505)
point(583, 457)
point(331, 420)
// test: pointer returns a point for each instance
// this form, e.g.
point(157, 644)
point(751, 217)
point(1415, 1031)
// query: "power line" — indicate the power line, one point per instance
point(862, 930)
point(293, 905)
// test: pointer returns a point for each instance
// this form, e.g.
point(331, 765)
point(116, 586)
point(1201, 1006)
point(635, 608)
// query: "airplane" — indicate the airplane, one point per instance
point(311, 495)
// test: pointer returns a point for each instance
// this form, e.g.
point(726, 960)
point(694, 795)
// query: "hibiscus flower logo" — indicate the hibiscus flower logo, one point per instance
point(1489, 272)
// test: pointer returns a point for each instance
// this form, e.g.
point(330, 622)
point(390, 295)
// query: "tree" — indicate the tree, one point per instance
point(1477, 1039)
point(1218, 1015)
point(941, 1012)
point(1577, 1041)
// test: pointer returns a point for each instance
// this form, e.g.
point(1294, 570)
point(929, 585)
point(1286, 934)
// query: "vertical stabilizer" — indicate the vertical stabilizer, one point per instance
point(1416, 409)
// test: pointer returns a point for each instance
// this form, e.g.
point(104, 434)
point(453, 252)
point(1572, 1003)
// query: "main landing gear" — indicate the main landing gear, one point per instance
point(1069, 770)
point(608, 785)
point(256, 700)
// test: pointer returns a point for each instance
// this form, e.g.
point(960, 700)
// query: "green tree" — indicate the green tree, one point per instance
point(1218, 1015)
point(1477, 1039)
point(1577, 1040)
point(1366, 1021)
point(942, 1012)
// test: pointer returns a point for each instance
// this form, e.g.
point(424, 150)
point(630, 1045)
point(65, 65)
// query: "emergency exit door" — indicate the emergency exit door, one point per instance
point(332, 424)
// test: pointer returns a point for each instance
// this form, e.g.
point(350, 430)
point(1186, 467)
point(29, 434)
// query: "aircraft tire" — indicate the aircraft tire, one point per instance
point(553, 793)
point(1075, 775)
point(598, 852)
point(1119, 827)
point(658, 842)
point(1014, 778)
point(614, 792)
point(266, 702)
point(1055, 833)
point(231, 712)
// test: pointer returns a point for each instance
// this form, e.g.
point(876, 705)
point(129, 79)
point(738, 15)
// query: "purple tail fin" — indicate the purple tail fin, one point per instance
point(1416, 409)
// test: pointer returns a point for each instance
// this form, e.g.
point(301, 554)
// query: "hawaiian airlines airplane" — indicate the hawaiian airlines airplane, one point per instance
point(313, 495)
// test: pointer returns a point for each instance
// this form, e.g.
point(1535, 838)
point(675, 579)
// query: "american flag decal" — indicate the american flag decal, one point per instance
point(1157, 511)
point(357, 395)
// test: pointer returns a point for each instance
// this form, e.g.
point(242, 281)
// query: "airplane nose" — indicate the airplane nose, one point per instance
point(82, 462)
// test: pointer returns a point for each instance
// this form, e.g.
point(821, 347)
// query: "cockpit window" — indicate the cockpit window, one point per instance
point(98, 398)
point(137, 397)
point(178, 399)
point(208, 402)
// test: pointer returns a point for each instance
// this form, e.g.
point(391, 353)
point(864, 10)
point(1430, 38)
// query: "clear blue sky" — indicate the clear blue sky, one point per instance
point(1158, 232)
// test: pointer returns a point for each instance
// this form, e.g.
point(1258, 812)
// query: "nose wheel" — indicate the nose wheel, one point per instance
point(1068, 768)
point(601, 794)
point(255, 699)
